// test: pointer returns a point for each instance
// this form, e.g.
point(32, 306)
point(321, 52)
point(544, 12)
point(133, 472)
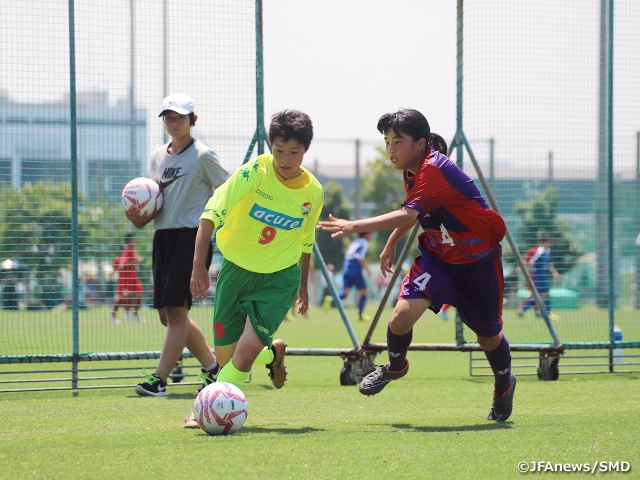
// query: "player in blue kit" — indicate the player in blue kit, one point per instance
point(355, 263)
point(461, 258)
point(541, 267)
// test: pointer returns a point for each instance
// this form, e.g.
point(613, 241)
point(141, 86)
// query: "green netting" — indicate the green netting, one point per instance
point(559, 145)
point(535, 109)
point(102, 80)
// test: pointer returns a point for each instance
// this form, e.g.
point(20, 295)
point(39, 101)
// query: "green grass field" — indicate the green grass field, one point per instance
point(430, 424)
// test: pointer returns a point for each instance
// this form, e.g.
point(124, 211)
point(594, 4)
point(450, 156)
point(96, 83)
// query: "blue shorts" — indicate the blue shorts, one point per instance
point(475, 289)
point(352, 278)
point(542, 284)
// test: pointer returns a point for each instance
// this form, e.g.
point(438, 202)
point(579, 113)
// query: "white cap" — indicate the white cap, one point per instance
point(179, 103)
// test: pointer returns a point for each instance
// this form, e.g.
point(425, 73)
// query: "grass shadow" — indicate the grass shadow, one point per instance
point(280, 430)
point(449, 429)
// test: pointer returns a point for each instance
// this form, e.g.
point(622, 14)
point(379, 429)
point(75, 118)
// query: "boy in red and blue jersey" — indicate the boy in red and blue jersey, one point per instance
point(540, 264)
point(461, 259)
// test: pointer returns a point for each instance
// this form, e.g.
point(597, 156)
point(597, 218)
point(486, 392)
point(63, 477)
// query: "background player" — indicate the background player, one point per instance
point(188, 172)
point(355, 263)
point(129, 289)
point(460, 261)
point(540, 265)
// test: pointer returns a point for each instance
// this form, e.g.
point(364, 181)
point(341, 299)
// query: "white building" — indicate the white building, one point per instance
point(36, 143)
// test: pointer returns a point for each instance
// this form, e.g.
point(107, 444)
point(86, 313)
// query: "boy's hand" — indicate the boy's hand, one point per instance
point(339, 226)
point(386, 260)
point(199, 284)
point(138, 220)
point(302, 300)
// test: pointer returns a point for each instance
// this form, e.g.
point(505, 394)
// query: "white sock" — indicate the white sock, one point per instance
point(212, 366)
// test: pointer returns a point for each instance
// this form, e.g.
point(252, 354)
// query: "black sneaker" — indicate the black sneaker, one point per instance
point(503, 405)
point(209, 377)
point(153, 387)
point(378, 379)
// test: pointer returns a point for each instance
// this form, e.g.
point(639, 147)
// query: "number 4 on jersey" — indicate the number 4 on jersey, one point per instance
point(446, 238)
point(422, 281)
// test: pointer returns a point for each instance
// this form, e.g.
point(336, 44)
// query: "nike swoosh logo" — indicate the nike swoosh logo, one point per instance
point(164, 184)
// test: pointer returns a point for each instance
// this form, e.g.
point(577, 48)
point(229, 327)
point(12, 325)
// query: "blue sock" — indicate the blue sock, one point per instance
point(547, 304)
point(500, 361)
point(397, 346)
point(362, 301)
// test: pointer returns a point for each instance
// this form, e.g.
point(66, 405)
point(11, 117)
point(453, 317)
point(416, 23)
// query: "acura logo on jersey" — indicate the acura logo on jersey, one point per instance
point(275, 219)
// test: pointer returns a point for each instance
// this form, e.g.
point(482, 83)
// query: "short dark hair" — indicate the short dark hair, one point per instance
point(128, 237)
point(291, 124)
point(412, 122)
point(436, 142)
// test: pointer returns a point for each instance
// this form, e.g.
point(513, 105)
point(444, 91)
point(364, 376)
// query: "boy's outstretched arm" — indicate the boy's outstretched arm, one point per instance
point(405, 217)
point(199, 274)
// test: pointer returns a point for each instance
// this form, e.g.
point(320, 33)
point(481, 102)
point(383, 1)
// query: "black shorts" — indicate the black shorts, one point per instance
point(173, 251)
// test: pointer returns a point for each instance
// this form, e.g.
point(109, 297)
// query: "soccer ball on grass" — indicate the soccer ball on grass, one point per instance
point(220, 408)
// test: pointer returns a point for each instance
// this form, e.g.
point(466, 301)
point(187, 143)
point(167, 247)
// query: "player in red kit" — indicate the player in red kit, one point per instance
point(129, 289)
point(460, 260)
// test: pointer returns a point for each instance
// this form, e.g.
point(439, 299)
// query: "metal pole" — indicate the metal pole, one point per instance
point(637, 303)
point(260, 136)
point(492, 160)
point(604, 236)
point(550, 166)
point(606, 146)
point(262, 139)
point(165, 54)
point(73, 125)
point(132, 80)
point(457, 141)
point(357, 182)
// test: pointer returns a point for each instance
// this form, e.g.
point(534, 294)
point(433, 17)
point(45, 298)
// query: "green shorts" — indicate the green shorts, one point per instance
point(264, 297)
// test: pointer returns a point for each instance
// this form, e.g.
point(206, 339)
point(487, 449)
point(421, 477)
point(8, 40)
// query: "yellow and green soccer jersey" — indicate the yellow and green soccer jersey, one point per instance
point(265, 224)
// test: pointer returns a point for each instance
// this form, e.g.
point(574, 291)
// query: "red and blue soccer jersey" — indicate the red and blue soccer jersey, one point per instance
point(459, 227)
point(127, 268)
point(126, 265)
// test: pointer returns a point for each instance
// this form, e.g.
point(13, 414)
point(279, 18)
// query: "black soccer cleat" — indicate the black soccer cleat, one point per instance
point(378, 379)
point(503, 405)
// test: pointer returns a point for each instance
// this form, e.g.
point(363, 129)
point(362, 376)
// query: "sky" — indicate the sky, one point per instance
point(530, 71)
point(531, 77)
point(346, 63)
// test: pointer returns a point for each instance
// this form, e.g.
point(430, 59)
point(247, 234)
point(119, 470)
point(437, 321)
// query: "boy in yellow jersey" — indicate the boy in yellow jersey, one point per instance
point(266, 215)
